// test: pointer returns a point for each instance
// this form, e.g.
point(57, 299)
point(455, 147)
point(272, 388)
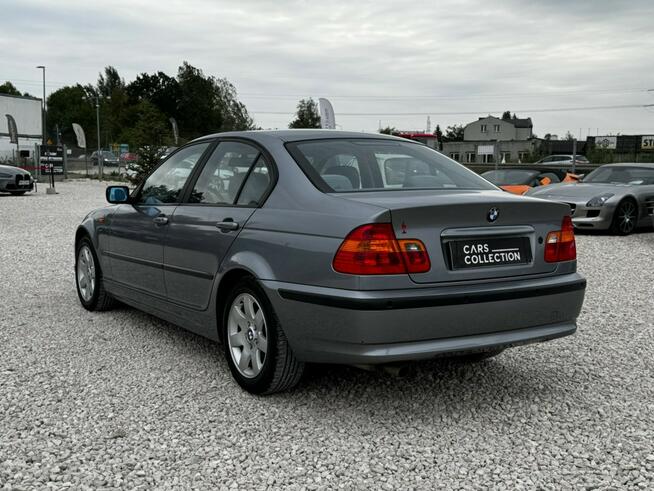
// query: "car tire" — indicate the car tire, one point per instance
point(88, 278)
point(256, 348)
point(479, 356)
point(625, 217)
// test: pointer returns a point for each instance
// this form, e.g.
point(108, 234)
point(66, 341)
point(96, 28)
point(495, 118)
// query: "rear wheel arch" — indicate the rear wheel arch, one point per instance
point(228, 281)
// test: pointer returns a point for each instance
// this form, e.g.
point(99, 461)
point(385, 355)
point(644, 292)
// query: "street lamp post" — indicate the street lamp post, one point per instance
point(37, 159)
point(97, 121)
point(96, 98)
point(43, 116)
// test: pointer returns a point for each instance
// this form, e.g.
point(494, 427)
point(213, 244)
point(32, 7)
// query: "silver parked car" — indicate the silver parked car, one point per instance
point(615, 197)
point(15, 180)
point(323, 246)
point(562, 161)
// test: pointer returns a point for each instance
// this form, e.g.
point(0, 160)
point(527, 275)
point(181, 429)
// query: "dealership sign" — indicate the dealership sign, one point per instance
point(606, 142)
point(647, 143)
point(52, 155)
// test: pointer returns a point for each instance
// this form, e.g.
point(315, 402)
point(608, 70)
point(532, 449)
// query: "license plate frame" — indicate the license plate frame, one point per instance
point(24, 182)
point(489, 252)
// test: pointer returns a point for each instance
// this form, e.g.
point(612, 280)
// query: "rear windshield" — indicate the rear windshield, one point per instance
point(350, 165)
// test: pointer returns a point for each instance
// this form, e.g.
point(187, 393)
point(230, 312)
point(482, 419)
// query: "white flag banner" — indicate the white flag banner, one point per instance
point(79, 133)
point(327, 118)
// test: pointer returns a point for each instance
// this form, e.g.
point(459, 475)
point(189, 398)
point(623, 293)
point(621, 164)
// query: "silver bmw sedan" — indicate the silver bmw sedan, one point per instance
point(301, 246)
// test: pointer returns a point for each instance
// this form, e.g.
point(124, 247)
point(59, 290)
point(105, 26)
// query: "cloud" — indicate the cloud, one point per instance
point(368, 56)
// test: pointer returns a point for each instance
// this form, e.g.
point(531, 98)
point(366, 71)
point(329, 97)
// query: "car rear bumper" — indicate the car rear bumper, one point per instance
point(328, 325)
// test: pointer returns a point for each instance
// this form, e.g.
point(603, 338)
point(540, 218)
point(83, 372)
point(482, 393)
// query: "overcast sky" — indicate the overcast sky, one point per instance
point(375, 60)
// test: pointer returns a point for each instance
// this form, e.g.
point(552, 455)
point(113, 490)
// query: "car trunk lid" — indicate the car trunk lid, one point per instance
point(472, 235)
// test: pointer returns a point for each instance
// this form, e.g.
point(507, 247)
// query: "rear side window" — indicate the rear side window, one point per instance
point(351, 165)
point(226, 177)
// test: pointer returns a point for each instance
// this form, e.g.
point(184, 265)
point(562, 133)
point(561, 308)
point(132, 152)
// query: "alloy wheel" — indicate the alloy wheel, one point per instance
point(247, 335)
point(86, 273)
point(627, 217)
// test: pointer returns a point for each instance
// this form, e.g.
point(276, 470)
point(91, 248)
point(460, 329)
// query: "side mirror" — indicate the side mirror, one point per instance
point(117, 194)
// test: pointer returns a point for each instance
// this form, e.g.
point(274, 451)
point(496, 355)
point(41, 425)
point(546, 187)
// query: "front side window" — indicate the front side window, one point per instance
point(166, 183)
point(380, 165)
point(225, 173)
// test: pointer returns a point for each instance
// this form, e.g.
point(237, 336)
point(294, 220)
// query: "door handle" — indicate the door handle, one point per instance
point(160, 220)
point(227, 225)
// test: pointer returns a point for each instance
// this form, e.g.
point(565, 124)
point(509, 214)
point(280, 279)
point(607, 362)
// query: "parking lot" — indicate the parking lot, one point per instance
point(122, 399)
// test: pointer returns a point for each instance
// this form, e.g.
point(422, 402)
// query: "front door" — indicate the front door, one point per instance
point(229, 188)
point(138, 230)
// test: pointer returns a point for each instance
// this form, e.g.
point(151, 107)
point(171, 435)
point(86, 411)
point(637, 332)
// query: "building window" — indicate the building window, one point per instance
point(523, 156)
point(487, 159)
point(484, 128)
point(505, 157)
point(455, 156)
point(471, 157)
point(496, 128)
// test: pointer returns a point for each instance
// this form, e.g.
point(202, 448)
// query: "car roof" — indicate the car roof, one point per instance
point(293, 135)
point(645, 165)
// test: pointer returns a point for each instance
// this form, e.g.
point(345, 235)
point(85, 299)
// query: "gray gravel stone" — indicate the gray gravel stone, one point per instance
point(124, 400)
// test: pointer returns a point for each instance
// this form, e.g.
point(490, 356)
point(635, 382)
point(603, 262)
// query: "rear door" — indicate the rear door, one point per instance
point(231, 185)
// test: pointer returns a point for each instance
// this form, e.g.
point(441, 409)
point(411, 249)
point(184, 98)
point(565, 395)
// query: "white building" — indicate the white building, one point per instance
point(27, 113)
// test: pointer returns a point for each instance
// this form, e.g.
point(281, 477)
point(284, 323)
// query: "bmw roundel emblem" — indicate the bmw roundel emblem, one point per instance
point(493, 213)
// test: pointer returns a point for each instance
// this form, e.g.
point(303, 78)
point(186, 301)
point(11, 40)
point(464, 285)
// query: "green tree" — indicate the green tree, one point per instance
point(160, 89)
point(389, 130)
point(506, 115)
point(438, 133)
point(9, 89)
point(453, 133)
point(307, 115)
point(70, 105)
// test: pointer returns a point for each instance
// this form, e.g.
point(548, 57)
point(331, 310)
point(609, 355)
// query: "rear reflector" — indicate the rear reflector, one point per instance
point(560, 244)
point(373, 249)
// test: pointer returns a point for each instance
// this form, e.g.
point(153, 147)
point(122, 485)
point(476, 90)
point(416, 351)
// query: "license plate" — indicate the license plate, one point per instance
point(482, 253)
point(24, 182)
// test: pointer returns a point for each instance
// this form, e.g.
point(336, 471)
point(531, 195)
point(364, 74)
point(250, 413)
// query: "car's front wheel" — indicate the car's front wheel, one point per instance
point(625, 217)
point(88, 278)
point(256, 348)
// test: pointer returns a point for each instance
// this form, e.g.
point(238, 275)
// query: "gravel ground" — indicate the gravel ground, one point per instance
point(122, 399)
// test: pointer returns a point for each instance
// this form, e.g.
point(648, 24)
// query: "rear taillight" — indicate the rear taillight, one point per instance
point(373, 249)
point(560, 244)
